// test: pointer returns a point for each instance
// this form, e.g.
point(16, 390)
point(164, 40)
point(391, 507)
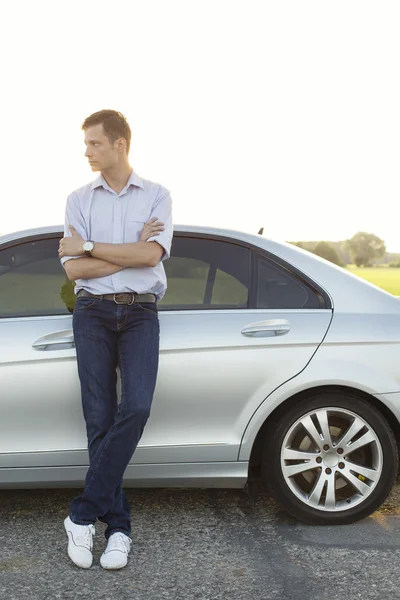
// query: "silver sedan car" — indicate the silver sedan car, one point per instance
point(274, 364)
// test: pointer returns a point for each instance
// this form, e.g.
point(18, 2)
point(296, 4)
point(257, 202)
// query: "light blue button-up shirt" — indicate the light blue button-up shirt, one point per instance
point(98, 213)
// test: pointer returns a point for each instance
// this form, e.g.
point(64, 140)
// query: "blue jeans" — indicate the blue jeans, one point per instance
point(106, 335)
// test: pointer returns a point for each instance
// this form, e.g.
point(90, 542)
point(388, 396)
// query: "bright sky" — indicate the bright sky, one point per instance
point(283, 114)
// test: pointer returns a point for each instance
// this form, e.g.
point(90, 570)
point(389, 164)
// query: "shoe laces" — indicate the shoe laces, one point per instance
point(87, 537)
point(119, 541)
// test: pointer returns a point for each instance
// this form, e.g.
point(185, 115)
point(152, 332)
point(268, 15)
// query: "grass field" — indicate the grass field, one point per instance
point(384, 277)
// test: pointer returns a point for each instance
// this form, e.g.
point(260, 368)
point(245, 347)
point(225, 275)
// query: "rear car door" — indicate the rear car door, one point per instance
point(235, 324)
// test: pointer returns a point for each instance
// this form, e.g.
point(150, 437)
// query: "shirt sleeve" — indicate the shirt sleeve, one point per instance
point(74, 217)
point(162, 209)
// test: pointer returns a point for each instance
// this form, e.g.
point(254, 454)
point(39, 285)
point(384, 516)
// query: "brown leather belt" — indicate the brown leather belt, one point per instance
point(122, 298)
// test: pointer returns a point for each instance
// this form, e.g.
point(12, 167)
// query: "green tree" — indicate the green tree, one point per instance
point(68, 295)
point(325, 250)
point(301, 245)
point(364, 247)
point(304, 245)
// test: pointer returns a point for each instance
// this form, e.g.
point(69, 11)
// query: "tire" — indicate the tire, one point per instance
point(315, 479)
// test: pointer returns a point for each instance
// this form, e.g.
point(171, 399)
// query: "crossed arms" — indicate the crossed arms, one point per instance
point(115, 258)
point(106, 258)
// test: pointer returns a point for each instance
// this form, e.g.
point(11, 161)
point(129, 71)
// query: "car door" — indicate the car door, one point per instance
point(235, 324)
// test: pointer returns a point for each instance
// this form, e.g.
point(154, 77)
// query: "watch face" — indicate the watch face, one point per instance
point(88, 246)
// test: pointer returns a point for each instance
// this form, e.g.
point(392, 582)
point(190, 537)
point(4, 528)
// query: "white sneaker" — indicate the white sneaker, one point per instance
point(80, 543)
point(115, 556)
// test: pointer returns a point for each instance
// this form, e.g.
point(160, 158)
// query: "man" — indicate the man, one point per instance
point(118, 231)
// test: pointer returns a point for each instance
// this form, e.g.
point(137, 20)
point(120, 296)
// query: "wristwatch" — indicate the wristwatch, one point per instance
point(88, 247)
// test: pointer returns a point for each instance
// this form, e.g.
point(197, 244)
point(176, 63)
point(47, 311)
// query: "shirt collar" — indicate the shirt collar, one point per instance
point(134, 179)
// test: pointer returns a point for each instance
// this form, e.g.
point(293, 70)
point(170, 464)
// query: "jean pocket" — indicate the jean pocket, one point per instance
point(148, 306)
point(83, 302)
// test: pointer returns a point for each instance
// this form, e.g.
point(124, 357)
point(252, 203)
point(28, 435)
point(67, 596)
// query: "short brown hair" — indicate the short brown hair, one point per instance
point(114, 124)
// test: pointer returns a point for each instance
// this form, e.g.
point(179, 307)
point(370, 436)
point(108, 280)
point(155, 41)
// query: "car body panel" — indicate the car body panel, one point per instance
point(207, 369)
point(215, 387)
point(199, 475)
point(330, 368)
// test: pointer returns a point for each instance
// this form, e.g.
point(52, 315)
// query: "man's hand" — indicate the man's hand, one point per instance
point(71, 246)
point(152, 227)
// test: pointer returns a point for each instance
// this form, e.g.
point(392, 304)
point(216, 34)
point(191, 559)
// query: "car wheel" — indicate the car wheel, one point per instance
point(331, 459)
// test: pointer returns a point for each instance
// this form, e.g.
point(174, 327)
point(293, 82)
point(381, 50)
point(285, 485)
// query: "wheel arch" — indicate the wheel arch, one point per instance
point(271, 420)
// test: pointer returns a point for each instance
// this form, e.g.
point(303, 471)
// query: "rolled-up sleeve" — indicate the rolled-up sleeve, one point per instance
point(74, 217)
point(163, 211)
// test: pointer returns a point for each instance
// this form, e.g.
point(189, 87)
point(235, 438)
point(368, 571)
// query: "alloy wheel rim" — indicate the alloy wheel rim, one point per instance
point(331, 459)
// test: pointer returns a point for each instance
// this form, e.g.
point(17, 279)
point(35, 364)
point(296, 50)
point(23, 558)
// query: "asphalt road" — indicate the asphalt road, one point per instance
point(205, 544)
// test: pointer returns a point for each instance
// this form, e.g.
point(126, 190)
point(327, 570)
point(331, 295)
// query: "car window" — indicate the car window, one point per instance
point(278, 287)
point(33, 282)
point(205, 273)
point(201, 273)
point(226, 287)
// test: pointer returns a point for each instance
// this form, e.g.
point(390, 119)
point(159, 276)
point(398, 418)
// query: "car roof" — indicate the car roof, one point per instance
point(349, 293)
point(233, 233)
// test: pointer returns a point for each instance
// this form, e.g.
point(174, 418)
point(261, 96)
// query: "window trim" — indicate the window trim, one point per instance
point(30, 238)
point(24, 240)
point(301, 279)
point(212, 272)
point(254, 254)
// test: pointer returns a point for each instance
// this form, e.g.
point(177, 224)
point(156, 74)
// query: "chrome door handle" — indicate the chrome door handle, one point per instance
point(54, 339)
point(267, 328)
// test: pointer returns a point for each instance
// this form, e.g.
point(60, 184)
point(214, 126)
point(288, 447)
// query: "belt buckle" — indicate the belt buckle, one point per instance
point(126, 295)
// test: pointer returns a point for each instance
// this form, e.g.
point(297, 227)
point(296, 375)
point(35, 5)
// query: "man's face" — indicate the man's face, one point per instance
point(100, 152)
